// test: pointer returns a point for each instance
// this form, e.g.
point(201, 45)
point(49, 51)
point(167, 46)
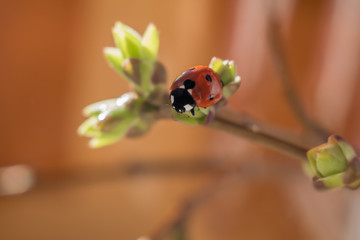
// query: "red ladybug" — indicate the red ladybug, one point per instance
point(199, 86)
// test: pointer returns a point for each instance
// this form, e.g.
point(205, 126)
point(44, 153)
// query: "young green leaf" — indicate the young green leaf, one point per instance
point(127, 40)
point(150, 43)
point(114, 57)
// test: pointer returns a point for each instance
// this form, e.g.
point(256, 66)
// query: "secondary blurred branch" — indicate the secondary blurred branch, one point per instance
point(281, 64)
point(35, 182)
point(174, 223)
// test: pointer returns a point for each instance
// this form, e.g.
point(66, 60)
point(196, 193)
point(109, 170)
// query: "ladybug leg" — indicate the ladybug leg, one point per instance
point(192, 112)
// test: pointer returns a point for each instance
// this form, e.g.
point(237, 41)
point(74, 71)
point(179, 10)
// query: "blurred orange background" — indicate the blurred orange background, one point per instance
point(52, 65)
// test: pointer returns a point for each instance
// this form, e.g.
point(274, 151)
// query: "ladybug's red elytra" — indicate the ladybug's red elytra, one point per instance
point(199, 86)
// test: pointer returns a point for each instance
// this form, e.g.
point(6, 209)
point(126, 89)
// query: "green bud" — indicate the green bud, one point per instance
point(139, 128)
point(226, 70)
point(88, 127)
point(187, 118)
point(132, 70)
point(330, 160)
point(113, 119)
point(352, 174)
point(306, 167)
point(201, 116)
point(127, 40)
point(107, 105)
point(231, 88)
point(144, 75)
point(159, 96)
point(132, 114)
point(115, 58)
point(102, 141)
point(332, 181)
point(109, 119)
point(334, 164)
point(150, 43)
point(135, 57)
point(158, 77)
point(345, 147)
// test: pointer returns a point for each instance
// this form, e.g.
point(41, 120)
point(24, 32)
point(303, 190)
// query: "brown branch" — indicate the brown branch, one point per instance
point(241, 126)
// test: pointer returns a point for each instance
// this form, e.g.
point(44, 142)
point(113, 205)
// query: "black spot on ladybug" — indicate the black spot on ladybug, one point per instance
point(181, 99)
point(211, 97)
point(208, 78)
point(189, 84)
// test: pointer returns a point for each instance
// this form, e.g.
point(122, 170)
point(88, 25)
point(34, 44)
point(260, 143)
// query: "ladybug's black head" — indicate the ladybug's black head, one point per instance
point(182, 101)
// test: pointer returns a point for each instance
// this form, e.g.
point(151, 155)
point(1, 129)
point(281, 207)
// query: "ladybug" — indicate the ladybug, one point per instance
point(200, 86)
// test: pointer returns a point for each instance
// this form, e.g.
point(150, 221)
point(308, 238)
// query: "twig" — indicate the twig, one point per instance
point(242, 126)
point(235, 124)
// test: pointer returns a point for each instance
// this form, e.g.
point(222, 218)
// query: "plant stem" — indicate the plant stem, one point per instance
point(238, 125)
point(242, 126)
